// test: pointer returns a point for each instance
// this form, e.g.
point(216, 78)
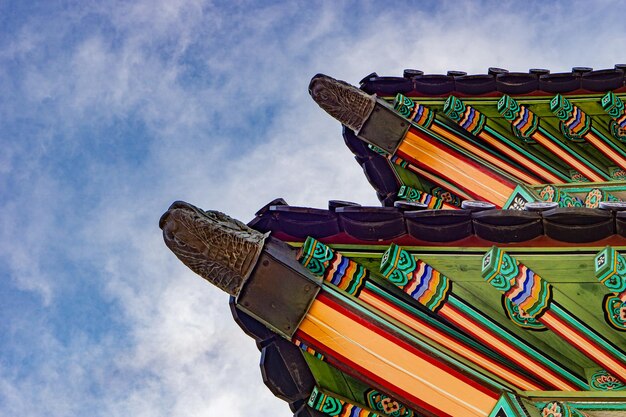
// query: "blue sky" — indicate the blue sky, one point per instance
point(111, 110)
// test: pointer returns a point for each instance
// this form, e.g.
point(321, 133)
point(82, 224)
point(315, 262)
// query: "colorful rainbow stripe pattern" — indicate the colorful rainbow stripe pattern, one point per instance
point(614, 106)
point(332, 406)
point(575, 124)
point(610, 267)
point(412, 194)
point(335, 268)
point(521, 285)
point(416, 278)
point(467, 117)
point(524, 122)
point(308, 349)
point(413, 111)
point(372, 296)
point(398, 161)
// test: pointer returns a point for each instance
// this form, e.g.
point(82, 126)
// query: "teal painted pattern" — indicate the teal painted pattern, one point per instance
point(520, 284)
point(520, 317)
point(378, 150)
point(523, 121)
point(413, 194)
point(467, 117)
point(614, 309)
point(575, 124)
point(415, 277)
point(601, 380)
point(614, 107)
point(413, 111)
point(551, 193)
point(325, 403)
point(393, 158)
point(332, 266)
point(378, 401)
point(333, 406)
point(593, 198)
point(610, 269)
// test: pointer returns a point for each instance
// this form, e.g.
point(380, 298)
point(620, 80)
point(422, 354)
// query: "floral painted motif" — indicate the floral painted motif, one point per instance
point(552, 410)
point(558, 409)
point(388, 406)
point(604, 381)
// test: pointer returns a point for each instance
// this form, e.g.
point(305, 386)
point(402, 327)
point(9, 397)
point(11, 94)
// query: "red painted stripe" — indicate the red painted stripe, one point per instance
point(481, 167)
point(335, 305)
point(350, 367)
point(470, 348)
point(617, 367)
point(510, 352)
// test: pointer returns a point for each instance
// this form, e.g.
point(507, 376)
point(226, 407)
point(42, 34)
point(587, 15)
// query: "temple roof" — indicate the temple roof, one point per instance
point(414, 225)
point(534, 129)
point(489, 282)
point(497, 81)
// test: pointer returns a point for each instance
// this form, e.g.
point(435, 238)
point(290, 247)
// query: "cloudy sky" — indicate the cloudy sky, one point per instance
point(111, 110)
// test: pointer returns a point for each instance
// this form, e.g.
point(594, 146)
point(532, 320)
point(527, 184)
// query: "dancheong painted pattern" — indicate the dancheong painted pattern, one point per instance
point(489, 283)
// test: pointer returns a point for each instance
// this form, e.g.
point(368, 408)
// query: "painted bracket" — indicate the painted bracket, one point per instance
point(332, 266)
point(610, 268)
point(614, 106)
point(467, 117)
point(527, 290)
point(523, 121)
point(575, 123)
point(415, 277)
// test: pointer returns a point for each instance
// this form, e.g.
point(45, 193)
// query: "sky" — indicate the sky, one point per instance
point(111, 110)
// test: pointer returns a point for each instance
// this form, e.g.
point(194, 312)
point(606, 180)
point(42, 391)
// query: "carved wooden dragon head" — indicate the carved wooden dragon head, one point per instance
point(220, 249)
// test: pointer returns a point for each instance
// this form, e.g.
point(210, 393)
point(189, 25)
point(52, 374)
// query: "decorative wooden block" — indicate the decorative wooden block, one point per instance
point(467, 117)
point(610, 267)
point(415, 277)
point(413, 111)
point(517, 282)
point(335, 268)
point(575, 124)
point(523, 121)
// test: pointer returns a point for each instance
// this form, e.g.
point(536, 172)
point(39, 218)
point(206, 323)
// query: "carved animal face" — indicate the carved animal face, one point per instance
point(344, 102)
point(213, 245)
